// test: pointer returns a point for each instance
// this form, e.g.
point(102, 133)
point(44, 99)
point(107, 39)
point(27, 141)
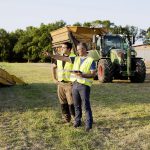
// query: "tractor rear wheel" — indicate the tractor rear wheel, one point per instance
point(105, 71)
point(140, 72)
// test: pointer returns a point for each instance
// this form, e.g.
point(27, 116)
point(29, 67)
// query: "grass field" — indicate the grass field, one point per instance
point(30, 116)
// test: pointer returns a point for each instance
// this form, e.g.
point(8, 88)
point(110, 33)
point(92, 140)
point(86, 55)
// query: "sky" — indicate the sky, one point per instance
point(19, 14)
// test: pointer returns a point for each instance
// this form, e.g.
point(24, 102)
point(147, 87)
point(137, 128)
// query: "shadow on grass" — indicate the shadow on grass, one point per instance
point(43, 95)
point(32, 96)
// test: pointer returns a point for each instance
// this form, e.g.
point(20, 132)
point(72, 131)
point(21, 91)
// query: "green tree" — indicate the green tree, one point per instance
point(22, 47)
point(107, 24)
point(4, 45)
point(77, 24)
point(34, 41)
point(87, 24)
point(13, 38)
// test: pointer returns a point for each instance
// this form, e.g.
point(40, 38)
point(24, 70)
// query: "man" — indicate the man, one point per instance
point(83, 72)
point(82, 82)
point(64, 88)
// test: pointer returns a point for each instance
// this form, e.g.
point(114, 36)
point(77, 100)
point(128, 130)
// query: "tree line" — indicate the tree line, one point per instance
point(27, 45)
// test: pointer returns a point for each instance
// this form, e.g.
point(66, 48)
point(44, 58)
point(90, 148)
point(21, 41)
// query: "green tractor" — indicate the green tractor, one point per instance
point(115, 57)
point(118, 60)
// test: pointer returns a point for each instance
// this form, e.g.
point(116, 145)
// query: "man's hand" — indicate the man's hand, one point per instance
point(83, 75)
point(79, 74)
point(47, 54)
point(76, 72)
point(55, 81)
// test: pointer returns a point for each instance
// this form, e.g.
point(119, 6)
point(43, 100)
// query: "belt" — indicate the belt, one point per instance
point(65, 81)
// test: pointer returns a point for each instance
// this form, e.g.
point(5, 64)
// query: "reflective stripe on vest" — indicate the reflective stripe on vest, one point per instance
point(64, 73)
point(84, 68)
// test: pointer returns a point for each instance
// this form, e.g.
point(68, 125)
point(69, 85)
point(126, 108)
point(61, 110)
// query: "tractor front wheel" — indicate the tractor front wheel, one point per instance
point(140, 72)
point(105, 71)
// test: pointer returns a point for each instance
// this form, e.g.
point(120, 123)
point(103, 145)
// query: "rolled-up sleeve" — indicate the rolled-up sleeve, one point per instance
point(93, 66)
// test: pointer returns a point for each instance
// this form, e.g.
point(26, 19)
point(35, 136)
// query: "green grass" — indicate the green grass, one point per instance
point(30, 116)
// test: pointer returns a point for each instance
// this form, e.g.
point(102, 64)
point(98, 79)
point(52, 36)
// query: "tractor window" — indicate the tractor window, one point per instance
point(112, 42)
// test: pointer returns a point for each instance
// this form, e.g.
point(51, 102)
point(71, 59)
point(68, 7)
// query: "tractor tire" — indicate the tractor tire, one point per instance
point(105, 71)
point(140, 72)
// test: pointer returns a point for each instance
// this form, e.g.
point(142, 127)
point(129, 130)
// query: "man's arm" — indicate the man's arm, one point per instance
point(63, 58)
point(90, 75)
point(54, 74)
point(58, 57)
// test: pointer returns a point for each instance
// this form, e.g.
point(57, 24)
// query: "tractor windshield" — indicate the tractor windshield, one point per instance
point(114, 42)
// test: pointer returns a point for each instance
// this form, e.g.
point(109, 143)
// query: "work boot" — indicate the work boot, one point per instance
point(87, 128)
point(72, 110)
point(77, 124)
point(66, 118)
point(65, 112)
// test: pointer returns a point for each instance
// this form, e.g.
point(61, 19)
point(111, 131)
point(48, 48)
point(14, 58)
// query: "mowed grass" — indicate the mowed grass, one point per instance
point(30, 116)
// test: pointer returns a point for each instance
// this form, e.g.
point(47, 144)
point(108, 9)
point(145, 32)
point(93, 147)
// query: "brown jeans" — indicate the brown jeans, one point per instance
point(64, 91)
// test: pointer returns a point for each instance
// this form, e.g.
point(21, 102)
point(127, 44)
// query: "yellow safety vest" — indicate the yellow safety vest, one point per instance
point(63, 73)
point(84, 68)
